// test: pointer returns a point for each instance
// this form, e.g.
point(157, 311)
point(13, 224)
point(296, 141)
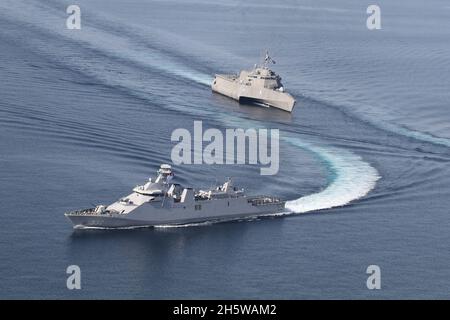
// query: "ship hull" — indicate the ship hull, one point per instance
point(147, 215)
point(233, 89)
point(87, 222)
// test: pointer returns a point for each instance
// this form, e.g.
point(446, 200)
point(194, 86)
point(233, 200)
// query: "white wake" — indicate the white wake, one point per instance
point(351, 179)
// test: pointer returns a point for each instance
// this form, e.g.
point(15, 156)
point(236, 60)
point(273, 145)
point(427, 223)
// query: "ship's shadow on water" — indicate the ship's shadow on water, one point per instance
point(157, 240)
point(251, 111)
point(153, 262)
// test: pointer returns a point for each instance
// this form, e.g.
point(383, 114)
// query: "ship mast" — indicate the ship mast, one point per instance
point(267, 60)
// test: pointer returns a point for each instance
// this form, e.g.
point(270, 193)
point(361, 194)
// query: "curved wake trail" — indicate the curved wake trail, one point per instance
point(418, 135)
point(351, 178)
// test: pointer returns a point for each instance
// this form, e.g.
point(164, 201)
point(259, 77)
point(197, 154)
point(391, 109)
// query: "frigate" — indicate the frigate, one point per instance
point(260, 85)
point(161, 202)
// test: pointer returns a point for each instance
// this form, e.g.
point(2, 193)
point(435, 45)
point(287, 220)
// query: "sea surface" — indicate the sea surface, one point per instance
point(85, 115)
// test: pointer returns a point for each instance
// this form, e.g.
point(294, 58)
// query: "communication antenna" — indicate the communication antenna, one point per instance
point(267, 60)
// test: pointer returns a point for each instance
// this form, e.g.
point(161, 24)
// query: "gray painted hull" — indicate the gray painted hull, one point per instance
point(260, 95)
point(148, 215)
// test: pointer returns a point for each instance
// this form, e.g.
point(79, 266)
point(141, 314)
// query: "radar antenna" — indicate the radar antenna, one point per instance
point(267, 60)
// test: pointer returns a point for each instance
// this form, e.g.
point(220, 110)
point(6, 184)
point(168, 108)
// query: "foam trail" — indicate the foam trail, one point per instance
point(351, 179)
point(384, 125)
point(402, 131)
point(105, 42)
point(421, 136)
point(350, 176)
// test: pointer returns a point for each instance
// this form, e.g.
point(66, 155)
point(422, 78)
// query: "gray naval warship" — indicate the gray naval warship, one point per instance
point(261, 86)
point(160, 202)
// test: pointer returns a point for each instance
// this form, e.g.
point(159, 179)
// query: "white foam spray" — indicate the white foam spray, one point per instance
point(351, 179)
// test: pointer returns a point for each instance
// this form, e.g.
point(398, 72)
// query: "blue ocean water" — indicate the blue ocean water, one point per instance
point(87, 114)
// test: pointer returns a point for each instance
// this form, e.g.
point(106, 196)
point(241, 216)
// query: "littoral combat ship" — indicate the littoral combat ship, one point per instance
point(159, 202)
point(261, 86)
